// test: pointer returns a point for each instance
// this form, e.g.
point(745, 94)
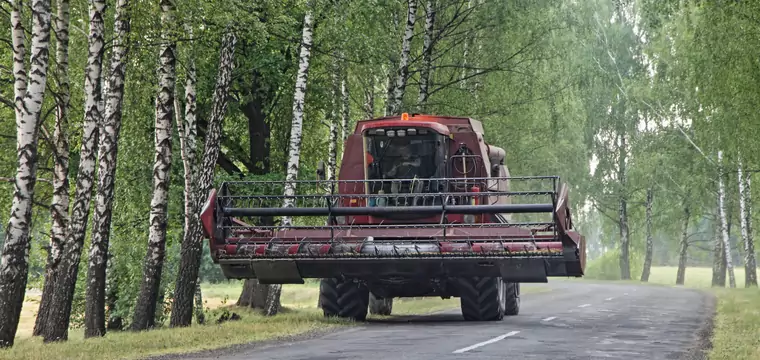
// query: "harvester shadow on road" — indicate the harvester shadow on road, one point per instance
point(435, 318)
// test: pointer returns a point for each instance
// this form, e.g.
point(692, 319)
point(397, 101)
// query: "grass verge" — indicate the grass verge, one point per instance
point(300, 316)
point(736, 328)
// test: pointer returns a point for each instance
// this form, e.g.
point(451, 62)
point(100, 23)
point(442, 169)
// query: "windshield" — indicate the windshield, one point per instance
point(404, 155)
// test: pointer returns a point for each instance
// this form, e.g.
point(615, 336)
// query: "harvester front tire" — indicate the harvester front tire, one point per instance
point(482, 299)
point(345, 299)
point(512, 299)
point(380, 306)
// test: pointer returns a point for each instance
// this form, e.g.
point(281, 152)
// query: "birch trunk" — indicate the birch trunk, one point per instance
point(369, 98)
point(66, 276)
point(465, 56)
point(145, 308)
point(719, 256)
point(403, 66)
point(200, 315)
point(59, 208)
point(94, 316)
point(683, 247)
point(427, 53)
point(28, 99)
point(345, 108)
point(745, 209)
point(335, 94)
point(294, 148)
point(723, 221)
point(114, 322)
point(648, 255)
point(750, 262)
point(625, 265)
point(391, 73)
point(187, 276)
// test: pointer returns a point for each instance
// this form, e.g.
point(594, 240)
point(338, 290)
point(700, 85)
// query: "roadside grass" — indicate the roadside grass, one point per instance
point(736, 326)
point(300, 315)
point(136, 345)
point(736, 329)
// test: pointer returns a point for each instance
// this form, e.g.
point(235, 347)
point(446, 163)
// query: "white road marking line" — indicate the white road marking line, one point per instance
point(625, 293)
point(584, 305)
point(549, 318)
point(610, 298)
point(498, 338)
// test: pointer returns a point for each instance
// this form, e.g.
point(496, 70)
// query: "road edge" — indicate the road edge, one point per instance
point(260, 344)
point(703, 341)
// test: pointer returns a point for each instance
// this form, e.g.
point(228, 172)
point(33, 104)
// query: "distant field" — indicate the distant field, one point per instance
point(696, 277)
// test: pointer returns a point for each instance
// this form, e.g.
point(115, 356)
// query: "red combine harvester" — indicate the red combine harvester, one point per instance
point(423, 206)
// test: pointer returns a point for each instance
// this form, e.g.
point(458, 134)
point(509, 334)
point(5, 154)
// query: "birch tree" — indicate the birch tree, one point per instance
point(28, 94)
point(94, 316)
point(66, 277)
point(724, 222)
point(622, 175)
point(745, 219)
point(145, 307)
point(345, 117)
point(336, 97)
point(683, 246)
point(369, 98)
point(201, 182)
point(59, 208)
point(402, 74)
point(648, 253)
point(427, 54)
point(296, 137)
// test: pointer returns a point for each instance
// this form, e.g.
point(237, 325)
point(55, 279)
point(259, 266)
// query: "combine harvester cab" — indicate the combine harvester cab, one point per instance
point(423, 207)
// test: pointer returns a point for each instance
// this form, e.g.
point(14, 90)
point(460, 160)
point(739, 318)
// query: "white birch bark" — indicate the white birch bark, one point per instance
point(145, 307)
point(465, 56)
point(750, 262)
point(28, 102)
point(403, 66)
point(296, 130)
point(187, 276)
point(59, 207)
point(719, 256)
point(335, 95)
point(745, 219)
point(427, 53)
point(723, 222)
point(683, 246)
point(625, 265)
point(95, 320)
point(345, 107)
point(390, 71)
point(66, 277)
point(369, 98)
point(648, 253)
point(294, 147)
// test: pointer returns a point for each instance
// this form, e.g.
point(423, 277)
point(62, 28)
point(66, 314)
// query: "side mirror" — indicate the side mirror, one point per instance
point(321, 170)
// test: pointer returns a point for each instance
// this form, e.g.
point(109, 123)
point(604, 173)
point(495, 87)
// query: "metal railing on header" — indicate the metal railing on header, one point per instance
point(241, 199)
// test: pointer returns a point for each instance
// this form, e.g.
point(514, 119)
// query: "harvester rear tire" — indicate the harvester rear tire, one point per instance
point(482, 299)
point(512, 299)
point(345, 299)
point(380, 306)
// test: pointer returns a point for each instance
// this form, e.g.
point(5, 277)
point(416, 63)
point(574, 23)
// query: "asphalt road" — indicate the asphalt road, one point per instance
point(576, 320)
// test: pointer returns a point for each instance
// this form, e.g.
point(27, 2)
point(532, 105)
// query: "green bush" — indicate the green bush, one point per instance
point(607, 267)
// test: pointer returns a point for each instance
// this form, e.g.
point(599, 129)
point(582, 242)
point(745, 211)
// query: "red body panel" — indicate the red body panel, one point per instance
point(252, 242)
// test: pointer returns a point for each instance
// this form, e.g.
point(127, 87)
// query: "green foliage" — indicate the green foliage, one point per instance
point(556, 84)
point(607, 267)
